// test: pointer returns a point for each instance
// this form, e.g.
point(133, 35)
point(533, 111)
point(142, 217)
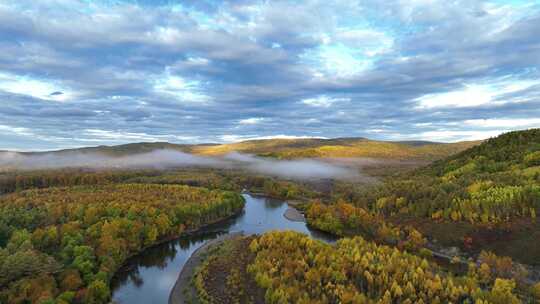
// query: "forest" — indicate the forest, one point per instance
point(290, 267)
point(65, 232)
point(344, 219)
point(383, 257)
point(296, 269)
point(493, 182)
point(464, 200)
point(232, 180)
point(63, 244)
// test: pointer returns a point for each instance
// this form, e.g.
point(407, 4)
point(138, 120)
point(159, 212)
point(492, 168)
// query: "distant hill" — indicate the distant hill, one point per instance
point(294, 148)
point(120, 150)
point(338, 147)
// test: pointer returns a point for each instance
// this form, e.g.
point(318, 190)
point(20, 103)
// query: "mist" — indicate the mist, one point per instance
point(157, 159)
point(296, 169)
point(169, 159)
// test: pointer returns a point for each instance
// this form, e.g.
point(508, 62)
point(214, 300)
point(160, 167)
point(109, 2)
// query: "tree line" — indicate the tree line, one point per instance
point(233, 180)
point(62, 245)
point(345, 219)
point(294, 268)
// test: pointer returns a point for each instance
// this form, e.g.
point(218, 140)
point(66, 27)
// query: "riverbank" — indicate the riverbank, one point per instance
point(292, 202)
point(143, 281)
point(183, 291)
point(186, 233)
point(294, 215)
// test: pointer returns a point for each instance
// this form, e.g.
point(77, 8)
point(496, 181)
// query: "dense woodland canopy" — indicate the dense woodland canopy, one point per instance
point(62, 245)
point(485, 197)
point(233, 180)
point(346, 220)
point(290, 267)
point(296, 269)
point(493, 182)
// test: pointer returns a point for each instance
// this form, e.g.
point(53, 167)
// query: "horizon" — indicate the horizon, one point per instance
point(84, 73)
point(241, 141)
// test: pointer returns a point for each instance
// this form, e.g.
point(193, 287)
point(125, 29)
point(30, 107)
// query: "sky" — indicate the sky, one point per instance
point(87, 73)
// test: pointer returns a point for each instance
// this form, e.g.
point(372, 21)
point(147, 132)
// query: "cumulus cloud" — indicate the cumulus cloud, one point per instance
point(193, 71)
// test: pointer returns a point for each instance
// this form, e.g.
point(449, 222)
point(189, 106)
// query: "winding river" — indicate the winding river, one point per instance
point(150, 276)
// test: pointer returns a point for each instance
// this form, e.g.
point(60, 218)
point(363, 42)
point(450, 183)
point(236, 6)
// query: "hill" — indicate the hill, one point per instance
point(118, 150)
point(487, 197)
point(338, 147)
point(292, 148)
point(491, 182)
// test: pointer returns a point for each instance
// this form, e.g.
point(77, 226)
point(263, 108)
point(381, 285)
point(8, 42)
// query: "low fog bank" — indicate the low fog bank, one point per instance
point(157, 159)
point(168, 159)
point(299, 169)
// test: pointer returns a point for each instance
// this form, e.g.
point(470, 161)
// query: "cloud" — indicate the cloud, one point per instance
point(298, 169)
point(476, 95)
point(16, 130)
point(195, 70)
point(37, 88)
point(251, 121)
point(126, 137)
point(448, 135)
point(229, 138)
point(323, 101)
point(504, 123)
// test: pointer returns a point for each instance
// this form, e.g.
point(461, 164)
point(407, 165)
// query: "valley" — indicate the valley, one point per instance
point(94, 233)
point(269, 152)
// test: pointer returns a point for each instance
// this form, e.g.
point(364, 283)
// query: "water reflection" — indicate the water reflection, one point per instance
point(272, 203)
point(150, 276)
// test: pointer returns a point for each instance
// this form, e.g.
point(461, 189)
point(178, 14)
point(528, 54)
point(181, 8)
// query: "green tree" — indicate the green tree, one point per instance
point(97, 293)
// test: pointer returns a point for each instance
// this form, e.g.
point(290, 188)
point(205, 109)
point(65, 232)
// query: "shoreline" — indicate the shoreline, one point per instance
point(190, 232)
point(292, 214)
point(183, 291)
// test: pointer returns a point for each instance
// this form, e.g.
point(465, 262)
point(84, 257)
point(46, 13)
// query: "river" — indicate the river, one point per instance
point(150, 276)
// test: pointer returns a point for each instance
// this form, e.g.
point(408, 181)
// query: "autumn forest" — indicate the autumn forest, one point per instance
point(460, 229)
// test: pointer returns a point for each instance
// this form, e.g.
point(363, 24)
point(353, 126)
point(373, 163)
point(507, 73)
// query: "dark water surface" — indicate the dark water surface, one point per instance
point(150, 276)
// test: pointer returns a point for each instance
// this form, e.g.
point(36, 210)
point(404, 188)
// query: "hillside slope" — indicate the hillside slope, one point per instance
point(486, 197)
point(292, 148)
point(491, 182)
point(337, 147)
point(119, 150)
